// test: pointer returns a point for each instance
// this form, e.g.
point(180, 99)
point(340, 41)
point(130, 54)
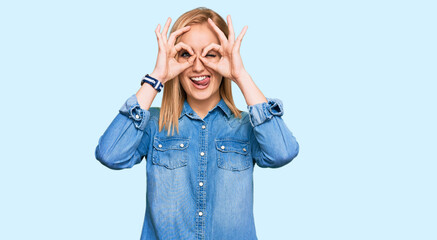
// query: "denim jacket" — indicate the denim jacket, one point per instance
point(200, 181)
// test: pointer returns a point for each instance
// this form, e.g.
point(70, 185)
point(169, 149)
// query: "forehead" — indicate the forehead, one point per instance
point(199, 36)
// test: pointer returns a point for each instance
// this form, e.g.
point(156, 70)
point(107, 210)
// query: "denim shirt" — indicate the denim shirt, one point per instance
point(200, 181)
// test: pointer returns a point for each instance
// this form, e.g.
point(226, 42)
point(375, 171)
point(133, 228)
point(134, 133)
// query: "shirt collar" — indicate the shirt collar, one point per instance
point(187, 110)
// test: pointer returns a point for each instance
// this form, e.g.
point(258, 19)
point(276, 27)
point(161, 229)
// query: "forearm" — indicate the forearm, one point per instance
point(146, 94)
point(252, 94)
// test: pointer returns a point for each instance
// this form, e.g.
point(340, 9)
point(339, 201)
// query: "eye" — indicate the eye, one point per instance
point(211, 55)
point(185, 54)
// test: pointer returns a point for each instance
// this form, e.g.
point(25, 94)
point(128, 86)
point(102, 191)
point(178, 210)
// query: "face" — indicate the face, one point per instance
point(199, 82)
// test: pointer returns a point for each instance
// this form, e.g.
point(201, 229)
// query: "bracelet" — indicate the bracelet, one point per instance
point(155, 83)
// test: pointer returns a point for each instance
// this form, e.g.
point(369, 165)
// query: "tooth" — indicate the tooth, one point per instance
point(198, 78)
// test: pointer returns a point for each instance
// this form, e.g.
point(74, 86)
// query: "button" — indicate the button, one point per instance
point(200, 183)
point(137, 116)
point(182, 145)
point(160, 145)
point(244, 149)
point(202, 153)
point(200, 213)
point(222, 147)
point(203, 127)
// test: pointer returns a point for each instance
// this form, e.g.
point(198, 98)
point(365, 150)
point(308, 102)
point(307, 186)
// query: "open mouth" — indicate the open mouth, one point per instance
point(201, 81)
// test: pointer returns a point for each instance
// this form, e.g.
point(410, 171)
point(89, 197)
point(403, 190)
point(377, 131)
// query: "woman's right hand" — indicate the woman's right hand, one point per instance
point(167, 67)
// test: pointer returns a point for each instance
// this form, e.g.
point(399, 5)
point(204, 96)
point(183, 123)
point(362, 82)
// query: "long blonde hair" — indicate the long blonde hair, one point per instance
point(174, 95)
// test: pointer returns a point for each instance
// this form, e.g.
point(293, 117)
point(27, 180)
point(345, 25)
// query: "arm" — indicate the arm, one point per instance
point(126, 140)
point(273, 144)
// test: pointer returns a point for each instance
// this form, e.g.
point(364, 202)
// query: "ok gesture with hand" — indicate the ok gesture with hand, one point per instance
point(230, 64)
point(167, 67)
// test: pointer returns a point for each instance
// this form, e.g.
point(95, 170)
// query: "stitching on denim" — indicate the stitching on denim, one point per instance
point(243, 157)
point(180, 162)
point(185, 141)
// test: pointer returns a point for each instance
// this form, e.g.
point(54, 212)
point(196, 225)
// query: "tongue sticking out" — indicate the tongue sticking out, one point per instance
point(203, 82)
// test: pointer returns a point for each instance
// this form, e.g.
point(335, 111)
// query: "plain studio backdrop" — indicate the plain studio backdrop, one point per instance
point(358, 83)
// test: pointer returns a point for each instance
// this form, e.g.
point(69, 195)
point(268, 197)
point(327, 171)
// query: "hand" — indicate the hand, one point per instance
point(230, 64)
point(167, 67)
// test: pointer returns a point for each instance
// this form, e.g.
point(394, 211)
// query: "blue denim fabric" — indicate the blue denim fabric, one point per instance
point(200, 181)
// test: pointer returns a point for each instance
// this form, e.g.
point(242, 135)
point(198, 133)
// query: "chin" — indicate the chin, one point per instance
point(203, 96)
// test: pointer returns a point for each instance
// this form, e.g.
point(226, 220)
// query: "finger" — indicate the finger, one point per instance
point(212, 46)
point(164, 32)
point(180, 67)
point(178, 47)
point(188, 63)
point(175, 34)
point(158, 36)
point(208, 63)
point(191, 59)
point(231, 37)
point(240, 38)
point(219, 32)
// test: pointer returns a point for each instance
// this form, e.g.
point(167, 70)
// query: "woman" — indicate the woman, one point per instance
point(199, 178)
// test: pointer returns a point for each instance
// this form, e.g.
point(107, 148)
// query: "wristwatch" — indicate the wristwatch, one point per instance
point(155, 83)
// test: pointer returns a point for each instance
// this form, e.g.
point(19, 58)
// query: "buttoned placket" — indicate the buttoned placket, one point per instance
point(201, 176)
point(118, 149)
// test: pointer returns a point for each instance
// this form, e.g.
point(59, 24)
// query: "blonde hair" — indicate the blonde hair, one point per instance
point(174, 95)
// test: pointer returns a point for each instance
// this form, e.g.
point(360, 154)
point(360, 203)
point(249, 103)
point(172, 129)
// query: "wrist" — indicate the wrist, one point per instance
point(158, 76)
point(155, 83)
point(242, 78)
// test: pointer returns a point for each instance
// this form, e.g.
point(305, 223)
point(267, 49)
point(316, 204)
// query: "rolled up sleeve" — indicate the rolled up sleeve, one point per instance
point(125, 141)
point(273, 143)
point(131, 109)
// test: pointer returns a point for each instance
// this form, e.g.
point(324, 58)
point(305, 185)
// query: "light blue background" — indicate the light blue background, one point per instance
point(358, 82)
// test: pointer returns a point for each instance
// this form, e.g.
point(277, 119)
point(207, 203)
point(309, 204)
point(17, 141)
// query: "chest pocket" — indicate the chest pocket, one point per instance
point(171, 153)
point(233, 155)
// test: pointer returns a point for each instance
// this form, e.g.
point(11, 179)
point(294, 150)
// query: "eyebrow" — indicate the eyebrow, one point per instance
point(212, 50)
point(201, 49)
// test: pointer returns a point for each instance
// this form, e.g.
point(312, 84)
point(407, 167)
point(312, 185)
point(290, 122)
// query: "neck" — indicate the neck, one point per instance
point(202, 107)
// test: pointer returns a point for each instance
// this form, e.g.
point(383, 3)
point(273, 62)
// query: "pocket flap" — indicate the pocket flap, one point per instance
point(170, 144)
point(236, 146)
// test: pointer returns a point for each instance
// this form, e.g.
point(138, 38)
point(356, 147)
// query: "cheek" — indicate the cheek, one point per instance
point(183, 74)
point(218, 77)
point(183, 83)
point(184, 79)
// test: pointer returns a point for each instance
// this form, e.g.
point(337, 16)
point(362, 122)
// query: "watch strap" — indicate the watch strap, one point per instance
point(155, 83)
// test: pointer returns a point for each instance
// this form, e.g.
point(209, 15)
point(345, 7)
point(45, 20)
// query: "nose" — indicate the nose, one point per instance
point(198, 65)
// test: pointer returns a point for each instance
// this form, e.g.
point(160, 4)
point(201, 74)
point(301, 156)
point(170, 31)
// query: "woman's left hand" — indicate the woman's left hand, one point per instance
point(230, 64)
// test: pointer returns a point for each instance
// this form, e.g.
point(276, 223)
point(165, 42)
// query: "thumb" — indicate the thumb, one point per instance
point(188, 63)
